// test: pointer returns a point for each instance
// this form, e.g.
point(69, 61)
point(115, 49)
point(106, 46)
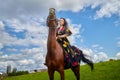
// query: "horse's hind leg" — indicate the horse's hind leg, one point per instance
point(76, 71)
point(51, 74)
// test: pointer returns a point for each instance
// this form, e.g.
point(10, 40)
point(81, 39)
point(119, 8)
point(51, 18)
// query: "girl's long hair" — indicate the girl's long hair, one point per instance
point(65, 22)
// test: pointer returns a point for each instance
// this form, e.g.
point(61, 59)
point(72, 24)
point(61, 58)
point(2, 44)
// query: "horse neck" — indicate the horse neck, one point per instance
point(51, 43)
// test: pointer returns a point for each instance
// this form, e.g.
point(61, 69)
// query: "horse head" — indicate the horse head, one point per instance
point(51, 19)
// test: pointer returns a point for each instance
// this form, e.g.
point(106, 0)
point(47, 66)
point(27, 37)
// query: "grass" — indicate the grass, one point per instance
point(103, 71)
point(109, 70)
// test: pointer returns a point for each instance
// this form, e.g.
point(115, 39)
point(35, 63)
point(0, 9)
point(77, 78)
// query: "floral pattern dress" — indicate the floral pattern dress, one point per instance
point(70, 59)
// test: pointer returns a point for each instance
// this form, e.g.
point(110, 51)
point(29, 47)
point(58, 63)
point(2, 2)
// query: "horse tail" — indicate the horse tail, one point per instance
point(84, 59)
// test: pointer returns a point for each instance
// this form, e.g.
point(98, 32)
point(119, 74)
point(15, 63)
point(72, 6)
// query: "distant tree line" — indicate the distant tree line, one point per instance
point(16, 73)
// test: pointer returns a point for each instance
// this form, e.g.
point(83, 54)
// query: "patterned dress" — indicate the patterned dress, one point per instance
point(70, 59)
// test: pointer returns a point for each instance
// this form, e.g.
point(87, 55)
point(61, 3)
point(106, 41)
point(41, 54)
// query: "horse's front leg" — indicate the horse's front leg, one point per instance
point(61, 71)
point(51, 74)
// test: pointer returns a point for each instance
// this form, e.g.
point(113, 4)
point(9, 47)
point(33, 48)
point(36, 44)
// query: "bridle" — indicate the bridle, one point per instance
point(52, 19)
point(52, 14)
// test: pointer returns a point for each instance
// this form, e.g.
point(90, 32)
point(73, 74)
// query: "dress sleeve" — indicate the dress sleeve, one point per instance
point(68, 32)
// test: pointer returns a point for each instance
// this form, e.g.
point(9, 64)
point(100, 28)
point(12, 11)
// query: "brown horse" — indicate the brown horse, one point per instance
point(55, 56)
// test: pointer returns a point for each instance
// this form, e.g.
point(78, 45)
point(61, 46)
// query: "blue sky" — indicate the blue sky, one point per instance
point(95, 25)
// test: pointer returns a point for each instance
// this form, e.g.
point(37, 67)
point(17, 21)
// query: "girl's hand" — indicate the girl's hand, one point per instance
point(61, 36)
point(58, 37)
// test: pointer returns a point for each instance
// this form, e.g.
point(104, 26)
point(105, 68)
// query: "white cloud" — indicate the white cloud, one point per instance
point(76, 32)
point(1, 45)
point(32, 51)
point(95, 56)
point(1, 53)
point(95, 45)
point(12, 49)
point(26, 8)
point(35, 35)
point(30, 25)
point(100, 56)
point(108, 8)
point(118, 55)
point(1, 25)
point(26, 62)
point(28, 59)
point(97, 48)
point(117, 23)
point(87, 51)
point(37, 8)
point(1, 36)
point(6, 39)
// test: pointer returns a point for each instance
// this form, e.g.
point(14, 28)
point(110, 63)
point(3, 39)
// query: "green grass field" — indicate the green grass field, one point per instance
point(109, 70)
